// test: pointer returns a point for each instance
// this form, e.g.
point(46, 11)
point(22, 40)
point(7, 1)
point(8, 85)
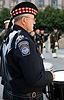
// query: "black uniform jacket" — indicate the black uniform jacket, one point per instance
point(25, 66)
point(45, 37)
point(55, 37)
point(38, 38)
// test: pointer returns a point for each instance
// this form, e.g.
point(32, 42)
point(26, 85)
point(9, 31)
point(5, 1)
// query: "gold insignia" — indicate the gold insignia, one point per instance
point(20, 37)
point(19, 31)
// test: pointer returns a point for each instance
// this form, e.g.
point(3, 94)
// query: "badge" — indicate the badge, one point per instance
point(24, 48)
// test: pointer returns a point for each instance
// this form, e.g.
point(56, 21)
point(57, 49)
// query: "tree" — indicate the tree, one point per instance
point(61, 20)
point(48, 18)
point(4, 14)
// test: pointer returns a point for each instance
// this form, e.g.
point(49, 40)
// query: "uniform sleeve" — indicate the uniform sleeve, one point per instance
point(31, 64)
point(59, 34)
point(51, 38)
point(2, 32)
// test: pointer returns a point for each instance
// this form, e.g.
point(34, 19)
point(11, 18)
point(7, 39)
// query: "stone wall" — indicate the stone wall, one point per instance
point(61, 43)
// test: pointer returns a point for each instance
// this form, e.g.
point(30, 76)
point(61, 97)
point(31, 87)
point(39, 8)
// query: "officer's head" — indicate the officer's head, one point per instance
point(37, 30)
point(6, 22)
point(55, 29)
point(42, 30)
point(23, 14)
point(32, 33)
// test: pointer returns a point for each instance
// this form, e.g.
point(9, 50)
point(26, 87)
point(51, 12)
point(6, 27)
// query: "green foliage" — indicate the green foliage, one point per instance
point(50, 17)
point(61, 20)
point(4, 14)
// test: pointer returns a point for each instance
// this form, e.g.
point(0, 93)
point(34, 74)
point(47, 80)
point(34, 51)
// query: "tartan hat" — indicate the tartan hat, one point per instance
point(7, 20)
point(23, 8)
point(42, 28)
point(54, 28)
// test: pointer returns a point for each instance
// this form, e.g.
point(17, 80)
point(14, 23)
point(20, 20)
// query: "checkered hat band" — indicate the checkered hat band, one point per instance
point(24, 10)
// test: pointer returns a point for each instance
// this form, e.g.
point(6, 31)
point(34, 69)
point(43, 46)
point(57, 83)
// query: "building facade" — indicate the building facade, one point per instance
point(41, 4)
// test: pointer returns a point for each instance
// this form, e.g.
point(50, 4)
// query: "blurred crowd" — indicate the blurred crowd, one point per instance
point(49, 39)
point(40, 37)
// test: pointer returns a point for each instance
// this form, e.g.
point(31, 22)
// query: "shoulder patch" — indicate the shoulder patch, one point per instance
point(24, 48)
point(19, 38)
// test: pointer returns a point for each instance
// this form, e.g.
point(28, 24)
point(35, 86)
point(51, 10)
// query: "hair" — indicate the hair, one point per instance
point(15, 19)
point(19, 17)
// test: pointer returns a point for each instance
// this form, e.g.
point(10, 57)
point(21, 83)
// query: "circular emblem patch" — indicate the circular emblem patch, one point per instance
point(25, 50)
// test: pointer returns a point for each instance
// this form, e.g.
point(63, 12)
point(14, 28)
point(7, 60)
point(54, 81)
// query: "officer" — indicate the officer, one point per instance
point(38, 39)
point(55, 36)
point(44, 38)
point(6, 23)
point(32, 33)
point(24, 74)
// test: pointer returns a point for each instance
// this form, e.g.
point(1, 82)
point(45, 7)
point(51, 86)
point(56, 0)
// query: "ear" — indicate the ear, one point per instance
point(23, 19)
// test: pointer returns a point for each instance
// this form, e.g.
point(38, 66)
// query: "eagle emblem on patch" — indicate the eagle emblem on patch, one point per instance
point(24, 48)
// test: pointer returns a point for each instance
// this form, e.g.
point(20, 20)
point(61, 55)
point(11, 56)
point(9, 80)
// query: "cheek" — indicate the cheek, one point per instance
point(30, 24)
